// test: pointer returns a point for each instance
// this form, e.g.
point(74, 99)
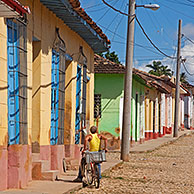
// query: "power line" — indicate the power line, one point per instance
point(105, 13)
point(151, 40)
point(140, 27)
point(181, 3)
point(190, 1)
point(143, 46)
point(115, 16)
point(89, 7)
point(188, 38)
point(118, 25)
point(177, 11)
point(117, 10)
point(191, 74)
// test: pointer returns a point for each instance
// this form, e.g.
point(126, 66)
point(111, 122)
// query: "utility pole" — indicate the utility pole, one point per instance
point(177, 95)
point(126, 127)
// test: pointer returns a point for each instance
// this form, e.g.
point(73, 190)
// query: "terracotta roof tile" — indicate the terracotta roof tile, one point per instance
point(76, 6)
point(105, 66)
point(102, 65)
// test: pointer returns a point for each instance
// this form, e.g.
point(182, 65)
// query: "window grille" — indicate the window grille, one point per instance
point(78, 97)
point(17, 82)
point(58, 91)
point(97, 106)
point(57, 97)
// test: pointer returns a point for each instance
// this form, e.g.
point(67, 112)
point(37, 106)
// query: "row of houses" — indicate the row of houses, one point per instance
point(46, 86)
point(52, 84)
point(152, 106)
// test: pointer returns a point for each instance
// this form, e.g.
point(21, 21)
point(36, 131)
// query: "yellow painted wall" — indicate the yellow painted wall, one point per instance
point(42, 24)
point(3, 83)
point(151, 95)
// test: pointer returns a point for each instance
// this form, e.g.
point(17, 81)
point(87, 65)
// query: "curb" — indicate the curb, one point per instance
point(165, 143)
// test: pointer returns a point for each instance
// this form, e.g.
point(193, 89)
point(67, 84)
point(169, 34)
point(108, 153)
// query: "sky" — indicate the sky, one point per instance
point(161, 26)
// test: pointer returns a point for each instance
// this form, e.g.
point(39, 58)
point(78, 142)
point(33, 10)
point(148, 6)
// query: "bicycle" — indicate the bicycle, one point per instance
point(90, 167)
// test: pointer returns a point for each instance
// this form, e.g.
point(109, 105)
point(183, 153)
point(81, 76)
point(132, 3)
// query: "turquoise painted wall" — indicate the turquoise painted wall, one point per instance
point(111, 87)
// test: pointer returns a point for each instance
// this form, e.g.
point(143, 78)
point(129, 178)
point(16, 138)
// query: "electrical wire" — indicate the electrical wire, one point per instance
point(177, 11)
point(158, 23)
point(117, 10)
point(191, 74)
point(190, 1)
point(151, 40)
point(140, 27)
point(142, 46)
point(105, 13)
point(188, 38)
point(116, 28)
point(181, 3)
point(99, 4)
point(115, 16)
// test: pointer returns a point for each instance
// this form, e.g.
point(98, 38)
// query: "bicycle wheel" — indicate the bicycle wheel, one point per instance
point(96, 177)
point(89, 173)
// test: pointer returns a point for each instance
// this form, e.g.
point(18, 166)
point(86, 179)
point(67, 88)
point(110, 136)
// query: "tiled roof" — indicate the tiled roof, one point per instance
point(16, 6)
point(76, 6)
point(102, 65)
point(163, 84)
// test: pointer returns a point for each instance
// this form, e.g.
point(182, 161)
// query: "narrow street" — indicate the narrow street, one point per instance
point(169, 169)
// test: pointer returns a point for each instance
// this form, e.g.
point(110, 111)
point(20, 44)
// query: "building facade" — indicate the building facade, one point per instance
point(46, 86)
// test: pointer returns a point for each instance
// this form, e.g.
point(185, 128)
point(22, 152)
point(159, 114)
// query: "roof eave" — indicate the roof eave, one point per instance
point(63, 10)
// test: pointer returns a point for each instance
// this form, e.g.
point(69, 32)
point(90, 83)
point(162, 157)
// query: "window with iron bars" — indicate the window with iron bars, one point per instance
point(17, 81)
point(57, 97)
point(97, 106)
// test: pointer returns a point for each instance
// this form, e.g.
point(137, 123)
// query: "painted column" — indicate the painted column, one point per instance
point(191, 114)
point(170, 114)
point(187, 111)
point(156, 119)
point(146, 118)
point(150, 119)
point(142, 118)
point(162, 115)
point(182, 112)
point(3, 106)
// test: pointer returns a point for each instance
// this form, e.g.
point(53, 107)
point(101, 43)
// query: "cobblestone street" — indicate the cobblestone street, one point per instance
point(169, 169)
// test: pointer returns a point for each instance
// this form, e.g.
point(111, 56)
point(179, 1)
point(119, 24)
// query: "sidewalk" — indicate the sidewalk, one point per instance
point(153, 144)
point(65, 184)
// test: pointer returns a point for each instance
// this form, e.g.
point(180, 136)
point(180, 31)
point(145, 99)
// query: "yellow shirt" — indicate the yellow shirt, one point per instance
point(95, 143)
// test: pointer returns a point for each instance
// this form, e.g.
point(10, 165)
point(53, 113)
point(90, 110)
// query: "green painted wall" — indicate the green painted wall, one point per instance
point(111, 87)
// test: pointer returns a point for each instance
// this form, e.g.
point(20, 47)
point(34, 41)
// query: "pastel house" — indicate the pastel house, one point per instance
point(46, 86)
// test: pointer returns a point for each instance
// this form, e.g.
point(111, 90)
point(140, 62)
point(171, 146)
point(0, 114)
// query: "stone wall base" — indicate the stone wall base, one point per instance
point(19, 171)
point(3, 167)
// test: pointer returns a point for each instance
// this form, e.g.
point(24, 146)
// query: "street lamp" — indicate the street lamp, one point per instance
point(128, 78)
point(154, 7)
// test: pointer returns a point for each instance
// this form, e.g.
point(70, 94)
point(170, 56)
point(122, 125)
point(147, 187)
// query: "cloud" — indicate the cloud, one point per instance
point(142, 66)
point(188, 30)
point(187, 52)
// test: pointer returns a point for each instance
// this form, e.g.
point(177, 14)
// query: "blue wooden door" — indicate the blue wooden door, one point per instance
point(77, 114)
point(54, 97)
point(13, 83)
